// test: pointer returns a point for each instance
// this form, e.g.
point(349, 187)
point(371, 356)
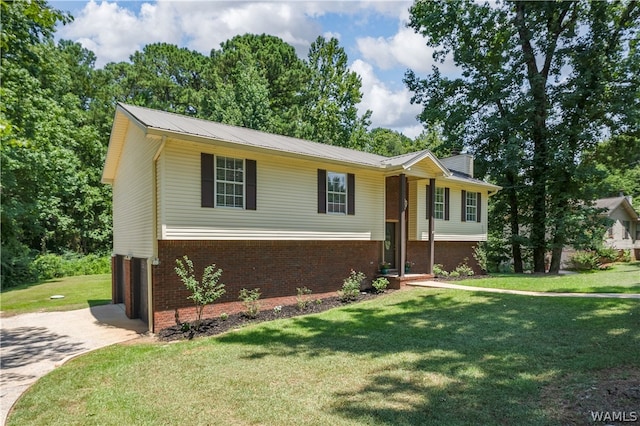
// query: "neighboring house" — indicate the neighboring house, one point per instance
point(274, 212)
point(624, 233)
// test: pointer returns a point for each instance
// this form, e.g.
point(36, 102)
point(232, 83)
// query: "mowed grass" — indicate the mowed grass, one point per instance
point(418, 356)
point(622, 278)
point(79, 292)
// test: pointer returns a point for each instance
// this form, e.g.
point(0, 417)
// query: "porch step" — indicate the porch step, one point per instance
point(395, 281)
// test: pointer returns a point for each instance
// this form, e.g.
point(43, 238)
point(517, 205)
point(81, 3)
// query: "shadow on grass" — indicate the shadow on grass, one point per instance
point(458, 359)
point(98, 302)
point(29, 285)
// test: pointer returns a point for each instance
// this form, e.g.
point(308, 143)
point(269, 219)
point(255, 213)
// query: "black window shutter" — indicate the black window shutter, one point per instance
point(251, 187)
point(351, 194)
point(322, 191)
point(207, 186)
point(446, 203)
point(428, 204)
point(463, 213)
point(479, 207)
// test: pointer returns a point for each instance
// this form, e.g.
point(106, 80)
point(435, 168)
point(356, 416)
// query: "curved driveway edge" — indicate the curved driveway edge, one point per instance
point(438, 284)
point(34, 344)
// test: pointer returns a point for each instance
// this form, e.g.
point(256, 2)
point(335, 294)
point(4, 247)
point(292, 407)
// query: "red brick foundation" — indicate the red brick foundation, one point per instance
point(276, 267)
point(128, 287)
point(447, 253)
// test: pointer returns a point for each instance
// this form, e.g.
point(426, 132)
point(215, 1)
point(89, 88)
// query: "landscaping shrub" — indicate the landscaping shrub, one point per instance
point(463, 269)
point(380, 284)
point(584, 261)
point(351, 286)
point(302, 297)
point(625, 256)
point(438, 270)
point(480, 255)
point(250, 301)
point(608, 254)
point(203, 292)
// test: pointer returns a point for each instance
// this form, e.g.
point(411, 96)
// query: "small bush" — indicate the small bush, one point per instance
point(463, 269)
point(380, 284)
point(439, 271)
point(48, 266)
point(302, 298)
point(250, 301)
point(584, 261)
point(480, 255)
point(454, 274)
point(224, 316)
point(608, 254)
point(625, 256)
point(203, 292)
point(351, 286)
point(277, 309)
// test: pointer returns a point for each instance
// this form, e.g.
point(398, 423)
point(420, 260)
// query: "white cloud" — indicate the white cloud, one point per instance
point(390, 109)
point(114, 32)
point(405, 48)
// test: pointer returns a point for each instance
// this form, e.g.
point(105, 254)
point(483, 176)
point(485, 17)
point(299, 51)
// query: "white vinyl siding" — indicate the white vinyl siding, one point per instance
point(286, 200)
point(622, 234)
point(453, 229)
point(133, 232)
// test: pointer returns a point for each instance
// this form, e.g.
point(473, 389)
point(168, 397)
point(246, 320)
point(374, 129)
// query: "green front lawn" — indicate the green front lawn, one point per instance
point(79, 292)
point(419, 356)
point(623, 278)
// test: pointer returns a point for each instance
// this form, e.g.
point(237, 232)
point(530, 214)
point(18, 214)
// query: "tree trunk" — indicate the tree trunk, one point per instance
point(514, 219)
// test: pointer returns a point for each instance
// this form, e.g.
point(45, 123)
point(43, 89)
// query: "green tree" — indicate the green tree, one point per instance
point(331, 98)
point(618, 159)
point(51, 148)
point(541, 83)
point(274, 68)
point(387, 142)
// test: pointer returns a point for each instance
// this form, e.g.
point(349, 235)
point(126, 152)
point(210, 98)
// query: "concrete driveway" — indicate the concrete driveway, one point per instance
point(34, 344)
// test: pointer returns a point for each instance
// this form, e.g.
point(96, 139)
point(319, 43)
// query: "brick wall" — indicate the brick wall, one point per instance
point(451, 253)
point(128, 287)
point(276, 267)
point(448, 253)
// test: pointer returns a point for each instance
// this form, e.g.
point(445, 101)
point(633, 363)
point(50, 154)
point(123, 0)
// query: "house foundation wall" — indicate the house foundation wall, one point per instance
point(447, 253)
point(276, 267)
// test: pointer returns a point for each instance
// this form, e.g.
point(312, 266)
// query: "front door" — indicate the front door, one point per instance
point(390, 244)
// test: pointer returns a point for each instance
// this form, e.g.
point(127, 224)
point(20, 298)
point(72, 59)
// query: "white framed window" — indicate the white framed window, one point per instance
point(471, 206)
point(336, 192)
point(229, 182)
point(438, 212)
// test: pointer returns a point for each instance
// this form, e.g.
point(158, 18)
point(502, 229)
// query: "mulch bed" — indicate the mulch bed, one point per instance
point(214, 326)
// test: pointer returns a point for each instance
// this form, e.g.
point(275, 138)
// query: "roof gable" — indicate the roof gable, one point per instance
point(612, 203)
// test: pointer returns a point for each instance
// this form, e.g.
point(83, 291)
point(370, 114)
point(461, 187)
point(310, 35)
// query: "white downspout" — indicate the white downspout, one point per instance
point(154, 259)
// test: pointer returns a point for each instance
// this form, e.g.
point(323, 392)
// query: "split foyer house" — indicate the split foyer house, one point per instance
point(274, 212)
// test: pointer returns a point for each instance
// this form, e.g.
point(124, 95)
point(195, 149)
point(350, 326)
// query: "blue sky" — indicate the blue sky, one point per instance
point(373, 33)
